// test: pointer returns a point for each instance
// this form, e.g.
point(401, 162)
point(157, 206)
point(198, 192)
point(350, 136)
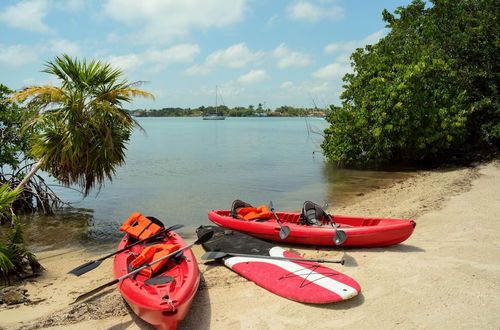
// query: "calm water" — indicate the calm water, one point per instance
point(184, 167)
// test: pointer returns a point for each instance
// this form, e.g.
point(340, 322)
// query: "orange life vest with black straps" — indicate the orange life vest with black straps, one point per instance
point(152, 253)
point(140, 227)
point(252, 213)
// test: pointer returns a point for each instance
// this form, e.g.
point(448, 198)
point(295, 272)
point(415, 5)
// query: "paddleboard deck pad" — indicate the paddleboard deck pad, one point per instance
point(303, 281)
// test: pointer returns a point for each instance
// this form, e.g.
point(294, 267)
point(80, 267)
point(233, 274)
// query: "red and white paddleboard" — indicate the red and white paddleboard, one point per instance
point(303, 281)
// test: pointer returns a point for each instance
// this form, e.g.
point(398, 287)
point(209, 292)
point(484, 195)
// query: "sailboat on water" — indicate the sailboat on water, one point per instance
point(216, 115)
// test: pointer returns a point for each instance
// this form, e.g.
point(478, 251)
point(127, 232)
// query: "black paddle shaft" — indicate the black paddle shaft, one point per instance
point(220, 254)
point(87, 267)
point(340, 236)
point(284, 230)
point(200, 240)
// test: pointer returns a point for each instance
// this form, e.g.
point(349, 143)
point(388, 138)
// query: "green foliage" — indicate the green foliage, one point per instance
point(426, 90)
point(13, 255)
point(14, 144)
point(7, 256)
point(250, 111)
point(83, 129)
point(7, 197)
point(166, 112)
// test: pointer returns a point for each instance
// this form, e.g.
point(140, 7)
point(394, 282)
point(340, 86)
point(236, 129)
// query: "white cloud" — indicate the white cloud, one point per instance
point(128, 62)
point(350, 46)
point(17, 55)
point(197, 70)
point(343, 50)
point(184, 53)
point(61, 46)
point(156, 59)
point(320, 88)
point(27, 15)
point(290, 59)
point(28, 81)
point(236, 57)
point(73, 5)
point(161, 21)
point(332, 71)
point(227, 90)
point(309, 93)
point(304, 11)
point(253, 77)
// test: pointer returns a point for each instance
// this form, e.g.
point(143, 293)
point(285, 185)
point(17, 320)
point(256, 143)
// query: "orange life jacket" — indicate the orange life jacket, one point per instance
point(152, 253)
point(140, 227)
point(252, 213)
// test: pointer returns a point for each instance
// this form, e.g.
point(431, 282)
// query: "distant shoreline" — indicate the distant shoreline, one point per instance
point(250, 111)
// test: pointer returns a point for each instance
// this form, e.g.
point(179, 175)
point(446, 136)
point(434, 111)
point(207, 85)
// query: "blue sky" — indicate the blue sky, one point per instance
point(273, 52)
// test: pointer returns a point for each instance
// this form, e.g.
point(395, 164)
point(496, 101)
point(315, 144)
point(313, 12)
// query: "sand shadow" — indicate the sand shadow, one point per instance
point(121, 326)
point(200, 312)
point(345, 304)
point(342, 305)
point(97, 296)
point(140, 323)
point(402, 248)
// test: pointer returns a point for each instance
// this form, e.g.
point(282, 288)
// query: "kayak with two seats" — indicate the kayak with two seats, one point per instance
point(312, 226)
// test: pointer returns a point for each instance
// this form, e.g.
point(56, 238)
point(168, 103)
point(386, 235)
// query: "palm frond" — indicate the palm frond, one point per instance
point(16, 237)
point(7, 197)
point(84, 128)
point(6, 256)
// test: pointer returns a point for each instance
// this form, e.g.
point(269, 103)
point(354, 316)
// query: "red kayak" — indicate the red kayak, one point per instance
point(164, 297)
point(361, 231)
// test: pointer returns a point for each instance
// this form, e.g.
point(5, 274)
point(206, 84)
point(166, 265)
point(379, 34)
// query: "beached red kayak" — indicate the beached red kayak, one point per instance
point(361, 231)
point(166, 302)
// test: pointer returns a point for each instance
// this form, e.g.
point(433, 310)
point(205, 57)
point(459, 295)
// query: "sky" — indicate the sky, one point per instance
point(272, 52)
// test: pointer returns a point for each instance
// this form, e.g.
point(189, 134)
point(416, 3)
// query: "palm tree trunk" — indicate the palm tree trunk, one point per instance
point(30, 174)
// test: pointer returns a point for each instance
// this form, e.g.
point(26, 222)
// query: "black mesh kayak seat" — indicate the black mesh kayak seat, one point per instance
point(312, 214)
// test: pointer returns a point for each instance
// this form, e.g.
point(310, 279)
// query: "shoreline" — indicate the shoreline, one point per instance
point(447, 273)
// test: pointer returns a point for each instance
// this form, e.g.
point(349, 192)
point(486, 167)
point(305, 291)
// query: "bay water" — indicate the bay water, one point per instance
point(178, 169)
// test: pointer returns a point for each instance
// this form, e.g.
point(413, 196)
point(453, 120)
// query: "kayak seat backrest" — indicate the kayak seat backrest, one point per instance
point(237, 205)
point(312, 214)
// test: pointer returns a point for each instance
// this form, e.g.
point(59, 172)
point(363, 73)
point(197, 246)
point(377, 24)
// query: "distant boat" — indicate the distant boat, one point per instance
point(216, 115)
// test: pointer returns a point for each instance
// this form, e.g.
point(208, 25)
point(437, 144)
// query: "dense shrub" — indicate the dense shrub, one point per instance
point(428, 90)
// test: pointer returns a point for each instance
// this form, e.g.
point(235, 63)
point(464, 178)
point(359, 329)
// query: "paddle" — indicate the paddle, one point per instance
point(340, 235)
point(284, 230)
point(205, 237)
point(87, 267)
point(218, 254)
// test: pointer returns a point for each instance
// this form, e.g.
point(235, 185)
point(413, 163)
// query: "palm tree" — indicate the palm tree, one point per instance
point(83, 127)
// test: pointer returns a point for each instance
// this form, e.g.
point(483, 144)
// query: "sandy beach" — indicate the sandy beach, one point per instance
point(445, 276)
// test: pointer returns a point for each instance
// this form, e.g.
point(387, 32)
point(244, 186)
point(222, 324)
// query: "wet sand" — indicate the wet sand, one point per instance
point(446, 275)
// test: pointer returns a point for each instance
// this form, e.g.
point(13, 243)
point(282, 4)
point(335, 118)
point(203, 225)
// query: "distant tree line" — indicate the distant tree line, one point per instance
point(250, 111)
